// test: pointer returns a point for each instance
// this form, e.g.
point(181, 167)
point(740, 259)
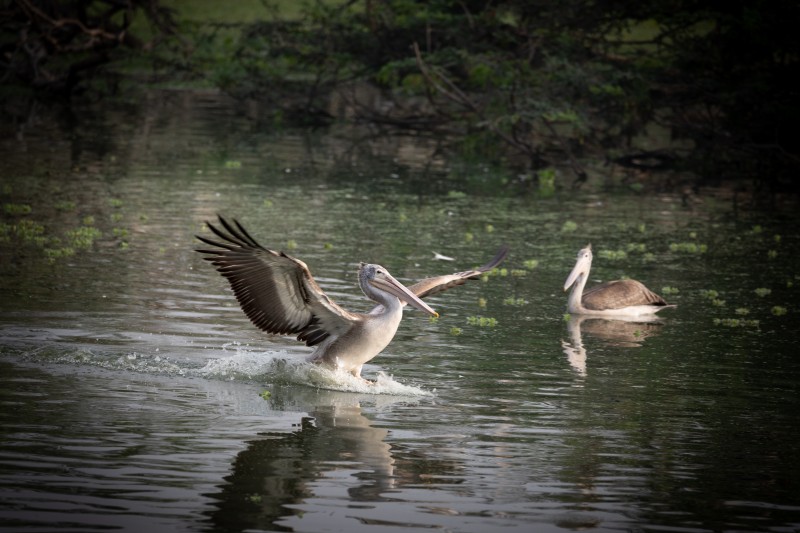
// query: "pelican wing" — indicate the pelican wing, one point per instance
point(276, 291)
point(429, 286)
point(619, 294)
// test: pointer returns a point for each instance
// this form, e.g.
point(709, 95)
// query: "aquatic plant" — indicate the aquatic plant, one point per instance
point(83, 237)
point(717, 302)
point(742, 311)
point(762, 292)
point(514, 301)
point(115, 203)
point(65, 206)
point(709, 293)
point(16, 209)
point(482, 302)
point(489, 228)
point(468, 237)
point(778, 310)
point(518, 272)
point(116, 217)
point(482, 321)
point(291, 244)
point(457, 195)
point(688, 247)
point(233, 164)
point(569, 226)
point(612, 255)
point(455, 331)
point(266, 395)
point(669, 290)
point(530, 264)
point(636, 247)
point(772, 254)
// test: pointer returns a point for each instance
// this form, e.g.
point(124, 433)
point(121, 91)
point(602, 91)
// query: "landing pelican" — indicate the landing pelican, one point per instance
point(279, 295)
point(626, 297)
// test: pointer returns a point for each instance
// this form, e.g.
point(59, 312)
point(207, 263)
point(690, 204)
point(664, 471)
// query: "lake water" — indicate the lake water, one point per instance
point(136, 396)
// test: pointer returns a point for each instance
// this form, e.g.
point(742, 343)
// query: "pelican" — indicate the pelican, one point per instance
point(625, 297)
point(279, 295)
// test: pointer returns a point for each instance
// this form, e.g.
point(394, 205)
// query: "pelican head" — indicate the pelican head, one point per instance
point(377, 283)
point(581, 268)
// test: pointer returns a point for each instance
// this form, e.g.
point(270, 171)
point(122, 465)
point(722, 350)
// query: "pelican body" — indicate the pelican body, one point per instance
point(625, 297)
point(280, 296)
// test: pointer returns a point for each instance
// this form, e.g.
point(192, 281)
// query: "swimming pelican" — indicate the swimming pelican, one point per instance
point(279, 295)
point(625, 297)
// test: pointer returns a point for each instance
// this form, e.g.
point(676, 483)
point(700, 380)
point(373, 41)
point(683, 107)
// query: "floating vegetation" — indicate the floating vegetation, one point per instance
point(547, 181)
point(569, 226)
point(567, 317)
point(489, 228)
point(669, 290)
point(756, 229)
point(612, 255)
point(291, 244)
point(116, 217)
point(514, 301)
point(54, 254)
point(233, 164)
point(328, 246)
point(84, 236)
point(457, 195)
point(641, 227)
point(482, 321)
point(772, 254)
point(709, 293)
point(266, 395)
point(482, 302)
point(776, 238)
point(688, 247)
point(468, 237)
point(649, 257)
point(116, 203)
point(455, 331)
point(530, 264)
point(637, 247)
point(16, 209)
point(267, 203)
point(736, 322)
point(120, 233)
point(778, 310)
point(742, 311)
point(65, 206)
point(518, 272)
point(762, 292)
point(716, 302)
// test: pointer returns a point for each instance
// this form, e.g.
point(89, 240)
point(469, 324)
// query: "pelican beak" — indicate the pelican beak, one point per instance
point(392, 286)
point(581, 267)
point(573, 276)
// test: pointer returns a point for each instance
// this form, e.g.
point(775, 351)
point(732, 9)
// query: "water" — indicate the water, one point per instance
point(136, 395)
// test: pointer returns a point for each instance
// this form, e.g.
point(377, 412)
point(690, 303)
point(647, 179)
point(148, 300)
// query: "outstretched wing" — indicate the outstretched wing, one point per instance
point(429, 286)
point(276, 291)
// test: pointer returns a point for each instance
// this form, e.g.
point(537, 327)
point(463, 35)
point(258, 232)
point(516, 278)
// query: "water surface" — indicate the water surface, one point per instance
point(137, 396)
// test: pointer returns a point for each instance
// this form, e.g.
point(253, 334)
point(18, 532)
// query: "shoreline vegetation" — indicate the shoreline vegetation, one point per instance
point(552, 90)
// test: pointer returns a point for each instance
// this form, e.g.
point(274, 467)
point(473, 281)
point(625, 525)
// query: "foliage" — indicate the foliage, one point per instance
point(56, 45)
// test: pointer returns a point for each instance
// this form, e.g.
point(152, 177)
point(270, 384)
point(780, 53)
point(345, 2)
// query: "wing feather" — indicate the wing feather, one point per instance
point(437, 284)
point(275, 291)
point(618, 294)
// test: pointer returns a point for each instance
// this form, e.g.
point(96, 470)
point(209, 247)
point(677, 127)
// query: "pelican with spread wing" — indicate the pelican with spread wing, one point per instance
point(279, 295)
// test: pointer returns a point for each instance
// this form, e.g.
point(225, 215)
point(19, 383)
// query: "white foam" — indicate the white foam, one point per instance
point(278, 367)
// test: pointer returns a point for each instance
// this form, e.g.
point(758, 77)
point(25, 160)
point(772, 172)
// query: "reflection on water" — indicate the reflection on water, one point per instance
point(332, 447)
point(133, 386)
point(624, 332)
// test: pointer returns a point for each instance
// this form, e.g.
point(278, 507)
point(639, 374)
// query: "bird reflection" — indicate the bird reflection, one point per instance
point(627, 332)
point(333, 447)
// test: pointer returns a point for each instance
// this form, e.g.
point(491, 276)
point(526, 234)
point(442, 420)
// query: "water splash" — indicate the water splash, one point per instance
point(280, 369)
